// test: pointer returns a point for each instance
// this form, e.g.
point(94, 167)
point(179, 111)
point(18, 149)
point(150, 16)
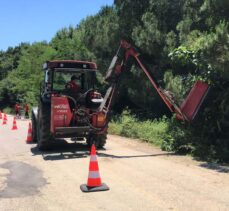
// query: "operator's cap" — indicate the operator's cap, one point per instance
point(74, 77)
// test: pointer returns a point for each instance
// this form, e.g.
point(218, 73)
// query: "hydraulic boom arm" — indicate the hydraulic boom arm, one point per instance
point(123, 60)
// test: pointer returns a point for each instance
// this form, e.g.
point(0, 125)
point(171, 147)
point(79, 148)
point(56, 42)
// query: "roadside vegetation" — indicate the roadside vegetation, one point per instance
point(129, 126)
point(181, 41)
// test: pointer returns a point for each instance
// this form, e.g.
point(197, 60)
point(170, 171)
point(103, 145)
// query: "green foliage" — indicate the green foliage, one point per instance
point(99, 33)
point(175, 85)
point(184, 57)
point(215, 50)
point(24, 82)
point(129, 126)
point(9, 59)
point(130, 13)
point(68, 43)
point(8, 110)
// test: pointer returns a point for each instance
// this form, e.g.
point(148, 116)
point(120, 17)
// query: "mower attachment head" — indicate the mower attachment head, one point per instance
point(194, 100)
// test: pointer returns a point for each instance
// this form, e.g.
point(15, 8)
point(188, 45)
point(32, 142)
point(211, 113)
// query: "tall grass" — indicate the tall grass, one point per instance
point(129, 126)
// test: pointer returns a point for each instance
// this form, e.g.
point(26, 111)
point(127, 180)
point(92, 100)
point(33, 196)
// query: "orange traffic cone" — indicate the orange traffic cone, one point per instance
point(29, 136)
point(4, 120)
point(0, 115)
point(14, 124)
point(94, 181)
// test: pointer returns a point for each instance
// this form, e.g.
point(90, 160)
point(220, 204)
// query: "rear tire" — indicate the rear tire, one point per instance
point(34, 128)
point(44, 136)
point(98, 140)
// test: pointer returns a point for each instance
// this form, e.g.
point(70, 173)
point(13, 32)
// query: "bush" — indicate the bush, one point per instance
point(8, 110)
point(129, 126)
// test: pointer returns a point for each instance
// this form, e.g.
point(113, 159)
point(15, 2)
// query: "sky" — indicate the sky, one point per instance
point(38, 20)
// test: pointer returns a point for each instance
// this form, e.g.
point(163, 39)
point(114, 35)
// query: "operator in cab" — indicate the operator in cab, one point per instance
point(73, 86)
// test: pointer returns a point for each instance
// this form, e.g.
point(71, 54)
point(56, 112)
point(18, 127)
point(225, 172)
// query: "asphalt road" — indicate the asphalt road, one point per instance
point(140, 177)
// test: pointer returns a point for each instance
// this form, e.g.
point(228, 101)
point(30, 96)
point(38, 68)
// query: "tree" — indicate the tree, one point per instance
point(68, 44)
point(24, 81)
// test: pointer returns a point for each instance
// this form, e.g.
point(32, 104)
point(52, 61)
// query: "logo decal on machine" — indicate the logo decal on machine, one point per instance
point(61, 106)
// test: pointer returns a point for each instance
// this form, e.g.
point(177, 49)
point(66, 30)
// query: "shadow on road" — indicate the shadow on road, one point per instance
point(133, 156)
point(216, 167)
point(63, 150)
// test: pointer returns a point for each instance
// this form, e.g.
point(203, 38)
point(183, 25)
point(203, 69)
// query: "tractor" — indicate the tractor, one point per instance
point(61, 113)
point(85, 115)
